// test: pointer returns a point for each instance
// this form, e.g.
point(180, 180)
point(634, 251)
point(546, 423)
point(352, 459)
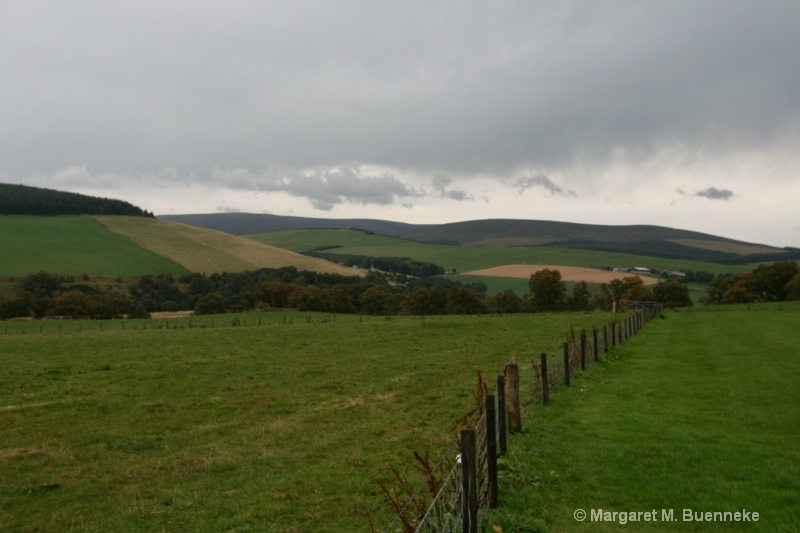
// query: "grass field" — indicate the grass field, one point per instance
point(467, 258)
point(281, 423)
point(73, 245)
point(698, 412)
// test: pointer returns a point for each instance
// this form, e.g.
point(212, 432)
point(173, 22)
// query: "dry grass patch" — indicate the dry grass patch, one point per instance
point(208, 251)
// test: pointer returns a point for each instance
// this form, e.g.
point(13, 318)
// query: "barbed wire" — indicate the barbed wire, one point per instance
point(445, 513)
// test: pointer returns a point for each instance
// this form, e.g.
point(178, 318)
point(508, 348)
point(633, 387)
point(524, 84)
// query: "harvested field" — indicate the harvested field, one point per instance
point(568, 273)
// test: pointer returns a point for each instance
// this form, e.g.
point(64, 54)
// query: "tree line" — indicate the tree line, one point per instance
point(769, 282)
point(26, 200)
point(43, 295)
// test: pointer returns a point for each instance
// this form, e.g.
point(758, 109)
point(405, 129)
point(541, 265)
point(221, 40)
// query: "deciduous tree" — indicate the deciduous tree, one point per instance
point(548, 292)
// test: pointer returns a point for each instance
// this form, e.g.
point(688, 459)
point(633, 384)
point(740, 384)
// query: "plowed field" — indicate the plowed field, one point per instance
point(568, 273)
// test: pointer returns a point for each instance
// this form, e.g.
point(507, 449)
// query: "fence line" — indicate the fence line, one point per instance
point(451, 509)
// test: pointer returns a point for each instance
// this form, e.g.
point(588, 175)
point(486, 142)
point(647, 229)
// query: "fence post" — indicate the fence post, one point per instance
point(545, 390)
point(512, 398)
point(605, 338)
point(613, 334)
point(566, 363)
point(491, 450)
point(594, 342)
point(501, 412)
point(583, 350)
point(469, 482)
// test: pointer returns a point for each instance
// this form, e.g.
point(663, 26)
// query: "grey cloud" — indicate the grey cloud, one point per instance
point(524, 183)
point(324, 187)
point(712, 193)
point(441, 184)
point(418, 85)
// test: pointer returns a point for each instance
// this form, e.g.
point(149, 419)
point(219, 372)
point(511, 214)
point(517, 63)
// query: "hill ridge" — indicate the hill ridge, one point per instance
point(481, 232)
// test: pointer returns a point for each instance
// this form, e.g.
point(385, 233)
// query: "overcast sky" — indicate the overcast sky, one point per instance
point(676, 113)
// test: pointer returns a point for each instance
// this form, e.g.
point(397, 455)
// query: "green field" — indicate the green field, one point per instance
point(73, 245)
point(467, 258)
point(698, 412)
point(282, 422)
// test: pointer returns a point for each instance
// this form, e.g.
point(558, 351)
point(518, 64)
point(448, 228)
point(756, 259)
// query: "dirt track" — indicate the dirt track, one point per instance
point(589, 275)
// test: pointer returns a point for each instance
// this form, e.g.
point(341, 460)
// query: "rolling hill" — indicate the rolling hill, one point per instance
point(636, 240)
point(249, 223)
point(350, 243)
point(207, 251)
point(135, 245)
point(490, 232)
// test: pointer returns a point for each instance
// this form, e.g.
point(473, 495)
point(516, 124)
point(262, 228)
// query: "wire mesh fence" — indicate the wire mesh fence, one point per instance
point(448, 508)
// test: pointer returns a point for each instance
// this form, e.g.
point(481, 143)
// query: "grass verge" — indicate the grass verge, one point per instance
point(698, 412)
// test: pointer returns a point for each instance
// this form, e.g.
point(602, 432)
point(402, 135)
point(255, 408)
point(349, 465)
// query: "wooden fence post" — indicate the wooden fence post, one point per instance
point(583, 350)
point(594, 343)
point(512, 398)
point(566, 363)
point(605, 338)
point(545, 390)
point(613, 334)
point(491, 450)
point(469, 482)
point(501, 412)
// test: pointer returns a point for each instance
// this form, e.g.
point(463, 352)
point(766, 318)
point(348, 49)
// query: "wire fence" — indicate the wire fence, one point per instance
point(461, 489)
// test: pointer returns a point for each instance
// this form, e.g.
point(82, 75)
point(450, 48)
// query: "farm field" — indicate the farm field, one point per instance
point(573, 274)
point(207, 251)
point(256, 422)
point(697, 412)
point(134, 246)
point(73, 245)
point(470, 258)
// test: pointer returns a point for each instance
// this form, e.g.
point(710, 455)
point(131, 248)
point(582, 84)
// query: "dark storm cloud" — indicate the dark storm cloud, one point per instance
point(433, 87)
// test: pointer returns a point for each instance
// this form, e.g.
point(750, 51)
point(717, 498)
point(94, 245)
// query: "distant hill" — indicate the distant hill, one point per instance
point(511, 232)
point(26, 200)
point(648, 240)
point(250, 223)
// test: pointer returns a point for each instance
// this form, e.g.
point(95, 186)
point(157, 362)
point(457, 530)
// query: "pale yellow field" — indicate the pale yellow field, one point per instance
point(208, 251)
point(568, 273)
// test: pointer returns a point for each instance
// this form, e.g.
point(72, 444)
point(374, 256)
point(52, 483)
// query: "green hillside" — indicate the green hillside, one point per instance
point(135, 245)
point(74, 245)
point(208, 251)
point(467, 258)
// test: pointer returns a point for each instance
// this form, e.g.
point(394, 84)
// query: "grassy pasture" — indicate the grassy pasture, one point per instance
point(467, 258)
point(699, 412)
point(281, 423)
point(73, 245)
